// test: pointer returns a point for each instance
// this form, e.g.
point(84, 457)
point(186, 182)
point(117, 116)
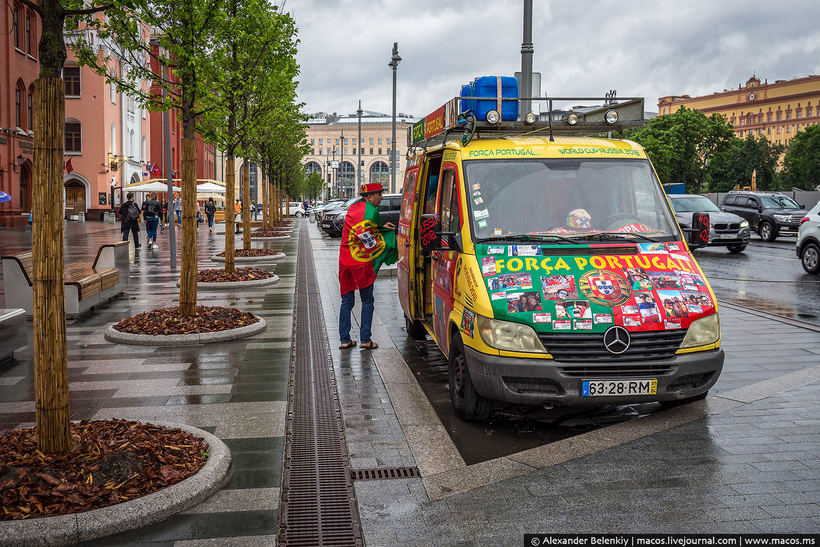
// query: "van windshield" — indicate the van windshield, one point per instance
point(563, 199)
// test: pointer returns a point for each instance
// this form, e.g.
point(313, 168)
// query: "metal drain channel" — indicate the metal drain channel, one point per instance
point(318, 505)
point(385, 473)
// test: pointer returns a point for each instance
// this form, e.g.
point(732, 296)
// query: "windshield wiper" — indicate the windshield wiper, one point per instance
point(616, 235)
point(527, 237)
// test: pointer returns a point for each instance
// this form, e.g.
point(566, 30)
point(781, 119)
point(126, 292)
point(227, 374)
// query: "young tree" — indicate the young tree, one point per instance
point(314, 185)
point(681, 145)
point(183, 39)
point(801, 165)
point(50, 360)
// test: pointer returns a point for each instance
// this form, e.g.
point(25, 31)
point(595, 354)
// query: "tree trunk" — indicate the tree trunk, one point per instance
point(188, 270)
point(264, 201)
point(246, 210)
point(230, 199)
point(50, 365)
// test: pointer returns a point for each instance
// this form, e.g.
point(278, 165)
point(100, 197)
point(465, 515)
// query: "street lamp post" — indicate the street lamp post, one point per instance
point(394, 64)
point(527, 50)
point(342, 154)
point(359, 150)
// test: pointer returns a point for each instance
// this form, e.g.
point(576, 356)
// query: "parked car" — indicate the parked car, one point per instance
point(808, 241)
point(770, 214)
point(388, 211)
point(320, 209)
point(299, 211)
point(331, 212)
point(725, 229)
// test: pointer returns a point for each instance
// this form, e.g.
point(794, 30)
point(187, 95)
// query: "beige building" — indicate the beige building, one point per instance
point(777, 111)
point(335, 150)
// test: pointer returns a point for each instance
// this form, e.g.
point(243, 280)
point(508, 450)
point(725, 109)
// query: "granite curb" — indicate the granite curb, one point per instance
point(128, 515)
point(253, 283)
point(119, 337)
point(271, 238)
point(251, 259)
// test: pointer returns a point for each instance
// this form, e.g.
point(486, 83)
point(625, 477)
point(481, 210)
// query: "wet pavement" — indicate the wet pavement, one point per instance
point(236, 390)
point(744, 460)
point(766, 276)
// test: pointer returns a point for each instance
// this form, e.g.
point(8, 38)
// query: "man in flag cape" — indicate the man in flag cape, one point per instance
point(366, 245)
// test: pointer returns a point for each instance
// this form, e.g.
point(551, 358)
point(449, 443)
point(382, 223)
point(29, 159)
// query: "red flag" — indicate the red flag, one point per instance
point(68, 167)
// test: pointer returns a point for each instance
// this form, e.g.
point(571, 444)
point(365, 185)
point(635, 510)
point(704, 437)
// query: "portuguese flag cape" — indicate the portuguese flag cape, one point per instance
point(366, 245)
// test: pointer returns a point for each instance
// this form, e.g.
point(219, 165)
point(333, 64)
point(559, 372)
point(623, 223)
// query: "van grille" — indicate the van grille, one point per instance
point(590, 347)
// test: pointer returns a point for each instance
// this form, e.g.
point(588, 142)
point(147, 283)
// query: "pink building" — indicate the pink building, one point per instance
point(18, 70)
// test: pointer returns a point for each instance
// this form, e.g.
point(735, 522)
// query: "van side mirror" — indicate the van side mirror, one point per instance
point(698, 234)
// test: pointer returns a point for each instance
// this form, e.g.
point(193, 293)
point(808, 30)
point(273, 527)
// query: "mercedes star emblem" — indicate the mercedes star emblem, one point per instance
point(616, 340)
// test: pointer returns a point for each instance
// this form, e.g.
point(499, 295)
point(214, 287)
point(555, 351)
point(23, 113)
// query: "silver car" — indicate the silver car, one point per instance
point(808, 241)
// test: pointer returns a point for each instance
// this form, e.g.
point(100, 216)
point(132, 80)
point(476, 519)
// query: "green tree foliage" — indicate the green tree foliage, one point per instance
point(680, 145)
point(801, 165)
point(732, 166)
point(314, 185)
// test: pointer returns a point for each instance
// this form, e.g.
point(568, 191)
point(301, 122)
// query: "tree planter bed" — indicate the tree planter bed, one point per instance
point(119, 475)
point(164, 327)
point(245, 256)
point(216, 279)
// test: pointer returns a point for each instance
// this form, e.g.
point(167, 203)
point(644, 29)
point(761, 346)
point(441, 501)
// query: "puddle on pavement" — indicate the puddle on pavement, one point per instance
point(776, 308)
point(512, 428)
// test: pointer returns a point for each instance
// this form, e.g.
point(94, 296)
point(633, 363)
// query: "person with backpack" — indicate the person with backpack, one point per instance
point(129, 219)
point(210, 211)
point(178, 209)
point(151, 211)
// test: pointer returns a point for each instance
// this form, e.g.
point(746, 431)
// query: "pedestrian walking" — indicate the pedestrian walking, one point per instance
point(164, 213)
point(178, 209)
point(129, 219)
point(366, 245)
point(198, 215)
point(210, 211)
point(237, 210)
point(151, 210)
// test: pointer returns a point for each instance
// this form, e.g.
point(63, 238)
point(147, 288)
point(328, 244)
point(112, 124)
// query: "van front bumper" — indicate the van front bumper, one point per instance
point(540, 381)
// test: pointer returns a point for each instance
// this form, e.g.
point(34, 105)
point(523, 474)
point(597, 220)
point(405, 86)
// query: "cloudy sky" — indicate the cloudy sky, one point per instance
point(640, 48)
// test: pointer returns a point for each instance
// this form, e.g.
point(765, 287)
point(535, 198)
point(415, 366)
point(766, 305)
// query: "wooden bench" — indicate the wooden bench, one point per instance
point(86, 284)
point(13, 335)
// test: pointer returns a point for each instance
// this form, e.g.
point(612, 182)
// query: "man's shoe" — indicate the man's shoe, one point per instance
point(137, 245)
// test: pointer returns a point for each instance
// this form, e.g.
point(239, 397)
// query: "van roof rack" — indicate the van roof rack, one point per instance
point(447, 122)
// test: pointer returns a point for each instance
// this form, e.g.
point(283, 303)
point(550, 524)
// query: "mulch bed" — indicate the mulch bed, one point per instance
point(239, 274)
point(270, 233)
point(252, 252)
point(166, 321)
point(110, 461)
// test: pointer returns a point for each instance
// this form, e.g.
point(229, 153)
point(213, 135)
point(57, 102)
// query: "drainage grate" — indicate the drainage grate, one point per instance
point(385, 473)
point(318, 504)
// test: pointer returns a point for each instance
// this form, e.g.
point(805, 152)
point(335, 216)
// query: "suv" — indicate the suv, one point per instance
point(388, 211)
point(726, 229)
point(771, 214)
point(808, 241)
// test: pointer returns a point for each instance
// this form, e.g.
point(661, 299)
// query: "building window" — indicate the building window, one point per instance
point(143, 150)
point(371, 150)
point(388, 140)
point(371, 142)
point(73, 136)
point(31, 107)
point(769, 130)
point(779, 116)
point(788, 129)
point(808, 111)
point(320, 142)
point(29, 22)
point(769, 117)
point(114, 140)
point(380, 141)
point(320, 150)
point(778, 130)
point(380, 150)
point(71, 77)
point(18, 107)
point(311, 141)
point(113, 88)
point(788, 115)
point(15, 25)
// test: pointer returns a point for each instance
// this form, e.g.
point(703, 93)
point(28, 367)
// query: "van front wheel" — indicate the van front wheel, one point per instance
point(468, 404)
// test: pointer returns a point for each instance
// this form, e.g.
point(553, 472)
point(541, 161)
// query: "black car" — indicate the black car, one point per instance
point(388, 211)
point(725, 229)
point(771, 214)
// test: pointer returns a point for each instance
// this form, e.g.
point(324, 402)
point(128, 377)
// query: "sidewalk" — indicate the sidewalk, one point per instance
point(745, 460)
point(237, 390)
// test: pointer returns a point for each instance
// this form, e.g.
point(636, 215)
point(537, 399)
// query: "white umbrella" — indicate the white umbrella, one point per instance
point(155, 186)
point(210, 187)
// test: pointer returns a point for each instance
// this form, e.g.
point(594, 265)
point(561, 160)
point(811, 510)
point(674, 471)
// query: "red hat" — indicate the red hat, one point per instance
point(371, 188)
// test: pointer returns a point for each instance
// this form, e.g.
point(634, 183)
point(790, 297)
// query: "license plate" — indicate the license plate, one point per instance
point(618, 388)
point(727, 236)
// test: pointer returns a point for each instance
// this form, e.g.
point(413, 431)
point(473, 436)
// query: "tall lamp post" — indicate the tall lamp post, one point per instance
point(166, 122)
point(359, 150)
point(527, 50)
point(342, 160)
point(394, 64)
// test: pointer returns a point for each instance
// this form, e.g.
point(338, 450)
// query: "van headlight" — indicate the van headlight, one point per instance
point(702, 332)
point(509, 336)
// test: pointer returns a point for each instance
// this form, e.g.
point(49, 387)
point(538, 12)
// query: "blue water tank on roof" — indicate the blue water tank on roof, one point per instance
point(487, 86)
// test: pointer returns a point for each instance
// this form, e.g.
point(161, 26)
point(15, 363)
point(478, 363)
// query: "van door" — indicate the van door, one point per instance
point(426, 203)
point(405, 268)
point(444, 262)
